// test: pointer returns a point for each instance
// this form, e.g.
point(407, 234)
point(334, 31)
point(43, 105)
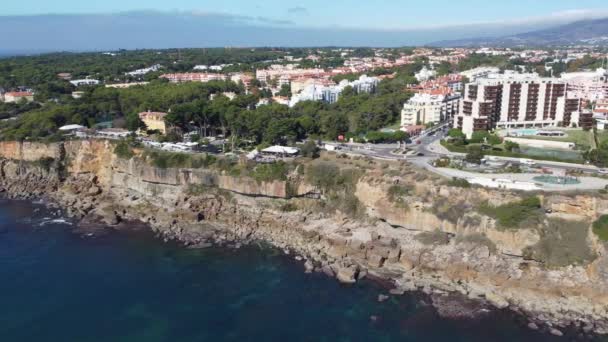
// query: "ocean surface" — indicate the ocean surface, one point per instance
point(58, 285)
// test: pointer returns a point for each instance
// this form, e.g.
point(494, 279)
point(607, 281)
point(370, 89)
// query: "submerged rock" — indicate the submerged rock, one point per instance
point(556, 332)
point(456, 306)
point(309, 266)
point(348, 275)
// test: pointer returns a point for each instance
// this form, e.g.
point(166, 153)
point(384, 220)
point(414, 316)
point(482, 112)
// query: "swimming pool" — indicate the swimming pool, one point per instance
point(524, 132)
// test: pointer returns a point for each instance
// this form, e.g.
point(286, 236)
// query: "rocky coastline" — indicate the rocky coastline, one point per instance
point(95, 186)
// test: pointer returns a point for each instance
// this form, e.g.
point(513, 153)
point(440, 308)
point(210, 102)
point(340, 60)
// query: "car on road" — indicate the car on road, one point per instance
point(603, 171)
point(420, 154)
point(527, 162)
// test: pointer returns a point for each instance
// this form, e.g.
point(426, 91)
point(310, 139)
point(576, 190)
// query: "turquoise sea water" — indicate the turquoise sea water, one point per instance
point(56, 285)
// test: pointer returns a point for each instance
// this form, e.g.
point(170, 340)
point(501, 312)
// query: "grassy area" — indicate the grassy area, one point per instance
point(583, 139)
point(526, 212)
point(270, 172)
point(601, 136)
point(395, 126)
point(600, 227)
point(165, 160)
point(562, 243)
point(463, 149)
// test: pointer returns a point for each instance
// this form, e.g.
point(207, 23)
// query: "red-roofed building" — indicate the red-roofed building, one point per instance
point(17, 96)
point(443, 85)
point(413, 130)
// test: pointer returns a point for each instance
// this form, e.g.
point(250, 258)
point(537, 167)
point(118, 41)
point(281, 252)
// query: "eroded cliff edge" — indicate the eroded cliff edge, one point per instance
point(389, 220)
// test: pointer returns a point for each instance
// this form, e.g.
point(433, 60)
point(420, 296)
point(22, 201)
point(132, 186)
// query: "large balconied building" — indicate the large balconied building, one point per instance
point(427, 108)
point(509, 101)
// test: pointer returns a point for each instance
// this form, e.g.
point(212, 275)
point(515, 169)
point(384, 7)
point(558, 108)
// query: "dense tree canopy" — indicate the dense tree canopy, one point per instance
point(191, 106)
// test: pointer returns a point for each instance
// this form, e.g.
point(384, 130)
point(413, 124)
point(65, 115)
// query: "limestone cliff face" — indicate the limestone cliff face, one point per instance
point(27, 151)
point(421, 214)
point(193, 205)
point(96, 157)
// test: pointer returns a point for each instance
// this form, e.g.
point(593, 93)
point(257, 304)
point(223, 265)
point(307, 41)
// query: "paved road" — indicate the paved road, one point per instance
point(429, 149)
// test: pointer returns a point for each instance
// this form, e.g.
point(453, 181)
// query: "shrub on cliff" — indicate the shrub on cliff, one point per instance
point(600, 227)
point(562, 243)
point(396, 194)
point(165, 160)
point(513, 215)
point(338, 187)
point(449, 211)
point(270, 172)
point(123, 150)
point(435, 238)
point(322, 175)
point(474, 155)
point(310, 149)
point(45, 163)
point(459, 183)
point(477, 239)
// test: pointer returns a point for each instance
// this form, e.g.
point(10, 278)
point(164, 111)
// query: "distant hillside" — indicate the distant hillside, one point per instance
point(586, 32)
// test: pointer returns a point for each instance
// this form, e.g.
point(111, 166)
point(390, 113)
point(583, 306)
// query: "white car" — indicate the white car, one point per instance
point(527, 162)
point(603, 171)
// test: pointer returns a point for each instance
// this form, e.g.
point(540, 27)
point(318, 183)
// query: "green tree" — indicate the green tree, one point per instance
point(455, 133)
point(134, 123)
point(310, 149)
point(285, 90)
point(511, 146)
point(474, 154)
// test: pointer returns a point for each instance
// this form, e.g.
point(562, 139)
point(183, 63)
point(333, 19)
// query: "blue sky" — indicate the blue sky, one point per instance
point(377, 14)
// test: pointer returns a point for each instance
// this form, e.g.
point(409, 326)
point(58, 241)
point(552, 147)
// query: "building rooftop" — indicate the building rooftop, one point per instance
point(19, 93)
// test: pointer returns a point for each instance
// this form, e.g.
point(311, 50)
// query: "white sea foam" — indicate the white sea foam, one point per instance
point(55, 221)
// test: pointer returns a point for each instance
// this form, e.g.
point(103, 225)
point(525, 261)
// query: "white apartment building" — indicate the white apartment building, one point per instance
point(588, 85)
point(141, 72)
point(517, 101)
point(425, 74)
point(478, 73)
point(427, 108)
point(330, 94)
point(193, 77)
point(86, 81)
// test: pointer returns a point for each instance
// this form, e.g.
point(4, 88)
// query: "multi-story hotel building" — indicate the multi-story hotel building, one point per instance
point(514, 100)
